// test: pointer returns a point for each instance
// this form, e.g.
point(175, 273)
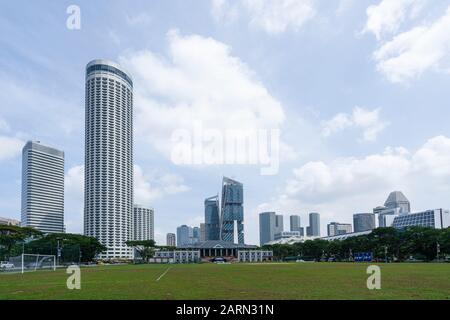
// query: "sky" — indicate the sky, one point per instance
point(353, 95)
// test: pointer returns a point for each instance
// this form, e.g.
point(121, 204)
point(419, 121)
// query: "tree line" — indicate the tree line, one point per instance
point(390, 244)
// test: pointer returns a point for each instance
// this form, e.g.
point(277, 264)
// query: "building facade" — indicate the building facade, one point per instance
point(143, 223)
point(232, 211)
point(108, 206)
point(42, 188)
point(269, 224)
point(212, 219)
point(9, 222)
point(437, 219)
point(254, 255)
point(171, 240)
point(287, 235)
point(363, 222)
point(184, 235)
point(313, 230)
point(397, 199)
point(202, 232)
point(336, 228)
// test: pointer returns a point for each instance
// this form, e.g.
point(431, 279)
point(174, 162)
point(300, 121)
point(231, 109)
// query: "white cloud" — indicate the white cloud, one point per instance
point(199, 81)
point(387, 16)
point(148, 188)
point(368, 121)
point(272, 16)
point(413, 52)
point(10, 147)
point(344, 186)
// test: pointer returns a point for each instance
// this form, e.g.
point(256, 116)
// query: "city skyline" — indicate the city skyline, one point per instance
point(343, 145)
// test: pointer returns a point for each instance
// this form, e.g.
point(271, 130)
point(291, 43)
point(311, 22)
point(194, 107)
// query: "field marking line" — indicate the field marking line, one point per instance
point(165, 272)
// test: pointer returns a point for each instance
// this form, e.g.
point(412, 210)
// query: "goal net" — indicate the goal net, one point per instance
point(33, 262)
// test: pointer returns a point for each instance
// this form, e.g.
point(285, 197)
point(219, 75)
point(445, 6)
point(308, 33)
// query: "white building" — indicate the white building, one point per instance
point(336, 228)
point(287, 235)
point(254, 255)
point(143, 223)
point(178, 256)
point(42, 188)
point(9, 222)
point(108, 190)
point(437, 219)
point(171, 240)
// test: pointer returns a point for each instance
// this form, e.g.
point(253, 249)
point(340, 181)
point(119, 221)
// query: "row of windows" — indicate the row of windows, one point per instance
point(111, 69)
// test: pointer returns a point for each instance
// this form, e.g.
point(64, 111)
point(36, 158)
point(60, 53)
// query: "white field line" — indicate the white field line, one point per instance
point(165, 272)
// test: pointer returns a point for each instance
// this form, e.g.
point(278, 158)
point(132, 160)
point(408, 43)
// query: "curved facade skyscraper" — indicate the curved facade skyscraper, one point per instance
point(108, 206)
point(212, 219)
point(232, 217)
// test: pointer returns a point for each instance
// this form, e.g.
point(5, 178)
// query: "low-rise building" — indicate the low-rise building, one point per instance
point(255, 255)
point(9, 222)
point(287, 234)
point(438, 219)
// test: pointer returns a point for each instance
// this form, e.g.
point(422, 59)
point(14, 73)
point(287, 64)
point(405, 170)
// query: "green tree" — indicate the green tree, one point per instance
point(146, 248)
point(11, 236)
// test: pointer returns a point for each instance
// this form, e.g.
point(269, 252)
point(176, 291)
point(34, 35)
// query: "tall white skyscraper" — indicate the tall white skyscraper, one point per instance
point(42, 188)
point(108, 206)
point(143, 223)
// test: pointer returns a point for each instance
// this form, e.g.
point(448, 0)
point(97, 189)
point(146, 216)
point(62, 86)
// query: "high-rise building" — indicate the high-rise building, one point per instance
point(313, 230)
point(171, 240)
point(232, 217)
point(212, 219)
point(295, 223)
point(270, 224)
point(363, 222)
point(337, 229)
point(195, 235)
point(143, 223)
point(108, 199)
point(202, 232)
point(42, 188)
point(397, 199)
point(184, 235)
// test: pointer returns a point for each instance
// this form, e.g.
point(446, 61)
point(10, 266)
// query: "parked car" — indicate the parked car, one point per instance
point(5, 265)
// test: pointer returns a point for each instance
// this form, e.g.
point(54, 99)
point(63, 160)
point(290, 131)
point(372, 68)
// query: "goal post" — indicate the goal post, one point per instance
point(33, 262)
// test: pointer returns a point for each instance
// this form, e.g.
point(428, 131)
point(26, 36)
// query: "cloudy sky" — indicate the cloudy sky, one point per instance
point(357, 89)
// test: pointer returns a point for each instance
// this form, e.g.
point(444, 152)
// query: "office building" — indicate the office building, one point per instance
point(195, 235)
point(212, 219)
point(397, 199)
point(437, 219)
point(108, 207)
point(232, 211)
point(363, 222)
point(184, 235)
point(143, 223)
point(42, 188)
point(202, 232)
point(9, 222)
point(171, 240)
point(269, 225)
point(295, 224)
point(313, 230)
point(287, 235)
point(337, 229)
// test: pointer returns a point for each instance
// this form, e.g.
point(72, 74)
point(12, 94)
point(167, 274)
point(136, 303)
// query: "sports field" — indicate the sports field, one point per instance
point(234, 281)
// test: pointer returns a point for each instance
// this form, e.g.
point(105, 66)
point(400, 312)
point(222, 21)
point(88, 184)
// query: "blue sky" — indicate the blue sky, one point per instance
point(357, 89)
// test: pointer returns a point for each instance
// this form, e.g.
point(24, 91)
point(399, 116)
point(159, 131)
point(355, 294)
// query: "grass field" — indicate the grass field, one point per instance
point(234, 281)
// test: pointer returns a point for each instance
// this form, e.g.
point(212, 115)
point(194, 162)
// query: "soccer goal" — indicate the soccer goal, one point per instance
point(33, 262)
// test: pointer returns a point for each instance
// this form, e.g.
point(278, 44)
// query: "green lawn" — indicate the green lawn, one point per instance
point(235, 281)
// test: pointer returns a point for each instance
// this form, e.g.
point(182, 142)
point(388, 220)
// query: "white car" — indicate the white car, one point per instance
point(6, 265)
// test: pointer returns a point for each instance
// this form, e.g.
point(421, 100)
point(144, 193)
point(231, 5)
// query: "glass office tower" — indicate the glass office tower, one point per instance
point(212, 219)
point(232, 217)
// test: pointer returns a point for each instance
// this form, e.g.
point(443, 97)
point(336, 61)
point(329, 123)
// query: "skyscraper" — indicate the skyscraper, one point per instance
point(195, 235)
point(143, 223)
point(42, 188)
point(108, 206)
point(212, 219)
point(270, 224)
point(232, 217)
point(314, 225)
point(202, 232)
point(363, 222)
point(397, 199)
point(171, 240)
point(184, 235)
point(295, 224)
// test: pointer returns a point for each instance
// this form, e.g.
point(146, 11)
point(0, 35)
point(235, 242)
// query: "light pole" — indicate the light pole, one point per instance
point(438, 250)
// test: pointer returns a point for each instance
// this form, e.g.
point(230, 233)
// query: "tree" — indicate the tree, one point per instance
point(11, 236)
point(145, 248)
